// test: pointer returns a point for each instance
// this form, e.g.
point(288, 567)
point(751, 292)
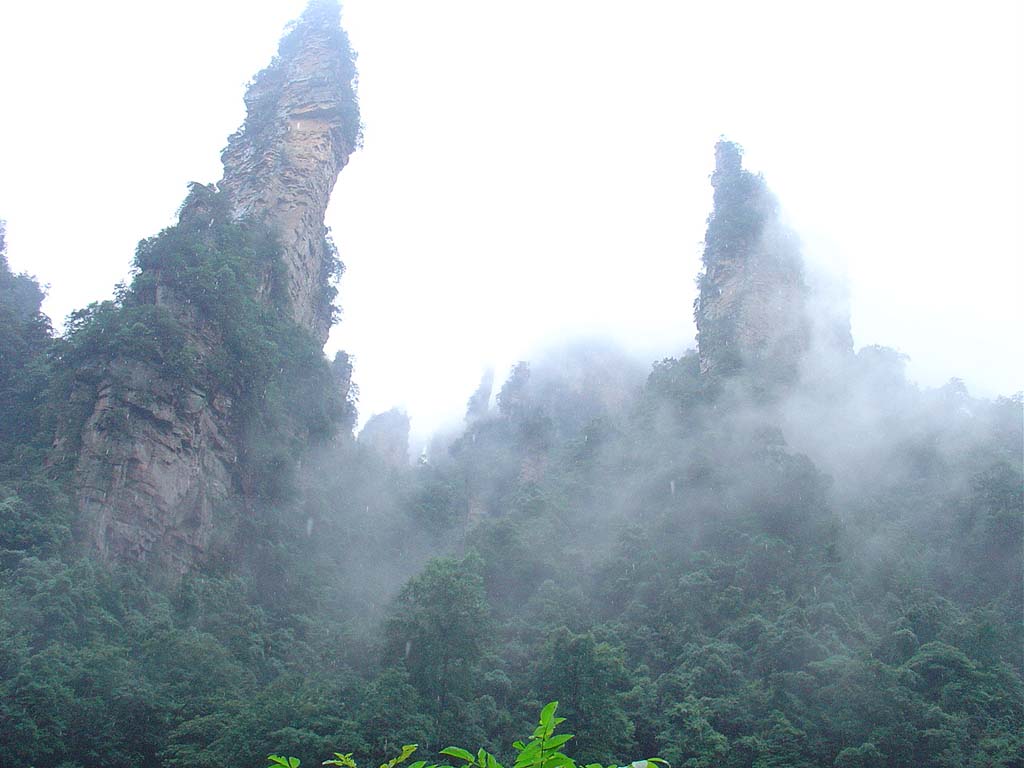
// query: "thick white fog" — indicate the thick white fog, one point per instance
point(539, 170)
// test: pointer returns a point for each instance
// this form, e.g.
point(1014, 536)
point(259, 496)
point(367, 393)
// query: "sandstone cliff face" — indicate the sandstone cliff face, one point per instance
point(155, 469)
point(751, 313)
point(281, 166)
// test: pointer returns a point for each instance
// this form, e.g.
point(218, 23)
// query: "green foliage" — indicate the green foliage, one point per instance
point(593, 678)
point(660, 558)
point(541, 751)
point(736, 620)
point(438, 628)
point(196, 312)
point(25, 347)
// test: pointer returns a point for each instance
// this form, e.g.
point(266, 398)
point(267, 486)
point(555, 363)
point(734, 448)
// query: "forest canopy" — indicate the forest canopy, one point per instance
point(770, 550)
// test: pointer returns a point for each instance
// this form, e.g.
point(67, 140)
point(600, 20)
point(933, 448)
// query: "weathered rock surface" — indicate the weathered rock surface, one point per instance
point(388, 434)
point(154, 471)
point(751, 313)
point(280, 167)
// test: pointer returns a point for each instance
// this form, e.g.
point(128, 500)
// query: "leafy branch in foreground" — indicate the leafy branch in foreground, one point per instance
point(541, 751)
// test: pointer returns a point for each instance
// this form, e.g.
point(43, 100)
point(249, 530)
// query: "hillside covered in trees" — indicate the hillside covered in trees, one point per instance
point(772, 550)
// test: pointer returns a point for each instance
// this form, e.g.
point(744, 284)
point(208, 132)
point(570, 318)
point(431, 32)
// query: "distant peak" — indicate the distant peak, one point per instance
point(322, 6)
point(728, 156)
point(320, 13)
point(751, 312)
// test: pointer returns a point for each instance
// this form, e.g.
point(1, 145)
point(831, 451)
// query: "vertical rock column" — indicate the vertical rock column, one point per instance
point(155, 475)
point(751, 313)
point(301, 126)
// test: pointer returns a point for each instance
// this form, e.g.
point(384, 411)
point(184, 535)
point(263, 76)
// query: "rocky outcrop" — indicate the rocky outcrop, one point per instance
point(388, 434)
point(155, 460)
point(479, 403)
point(302, 124)
point(154, 470)
point(751, 313)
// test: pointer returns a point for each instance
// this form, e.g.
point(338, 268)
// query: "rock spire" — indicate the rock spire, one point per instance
point(751, 312)
point(301, 126)
point(156, 464)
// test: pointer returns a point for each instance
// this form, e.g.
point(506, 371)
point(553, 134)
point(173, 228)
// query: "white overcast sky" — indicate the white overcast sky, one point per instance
point(539, 169)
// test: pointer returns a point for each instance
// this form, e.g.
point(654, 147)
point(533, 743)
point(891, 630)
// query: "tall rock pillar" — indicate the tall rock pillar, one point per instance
point(301, 126)
point(751, 313)
point(156, 462)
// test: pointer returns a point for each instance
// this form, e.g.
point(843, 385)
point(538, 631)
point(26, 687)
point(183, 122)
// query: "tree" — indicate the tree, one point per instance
point(439, 627)
point(688, 740)
point(592, 679)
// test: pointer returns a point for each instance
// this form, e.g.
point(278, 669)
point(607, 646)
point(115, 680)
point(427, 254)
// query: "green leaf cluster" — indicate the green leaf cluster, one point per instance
point(541, 751)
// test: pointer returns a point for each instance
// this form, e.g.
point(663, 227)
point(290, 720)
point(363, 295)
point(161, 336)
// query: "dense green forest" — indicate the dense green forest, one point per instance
point(693, 567)
point(770, 550)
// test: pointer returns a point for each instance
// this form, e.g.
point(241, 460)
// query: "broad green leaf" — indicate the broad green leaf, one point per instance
point(407, 750)
point(556, 741)
point(461, 754)
point(533, 758)
point(530, 752)
point(548, 713)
